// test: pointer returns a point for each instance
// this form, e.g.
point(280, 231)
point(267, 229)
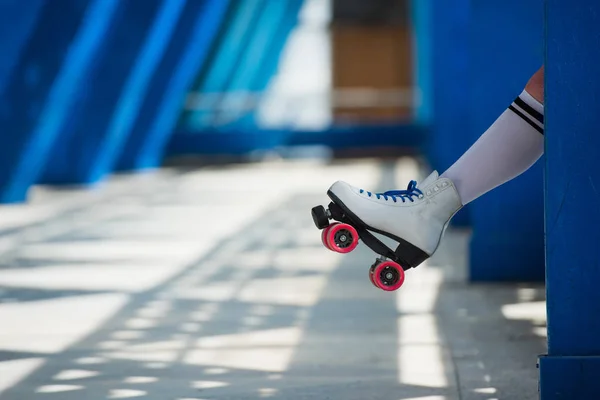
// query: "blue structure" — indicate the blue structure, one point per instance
point(471, 55)
point(256, 53)
point(273, 24)
point(572, 366)
point(505, 49)
point(118, 79)
point(37, 98)
point(190, 48)
point(94, 86)
point(443, 46)
point(228, 58)
point(16, 24)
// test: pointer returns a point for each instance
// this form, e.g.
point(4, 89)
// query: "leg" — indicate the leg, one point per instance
point(535, 86)
point(420, 215)
point(508, 148)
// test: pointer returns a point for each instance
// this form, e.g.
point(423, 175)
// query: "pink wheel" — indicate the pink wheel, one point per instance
point(388, 276)
point(324, 236)
point(371, 276)
point(342, 238)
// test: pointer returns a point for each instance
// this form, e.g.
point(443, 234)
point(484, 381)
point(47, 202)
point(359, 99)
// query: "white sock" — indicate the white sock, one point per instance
point(509, 147)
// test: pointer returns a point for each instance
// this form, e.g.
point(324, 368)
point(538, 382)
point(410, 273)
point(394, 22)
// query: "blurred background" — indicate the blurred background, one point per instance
point(158, 163)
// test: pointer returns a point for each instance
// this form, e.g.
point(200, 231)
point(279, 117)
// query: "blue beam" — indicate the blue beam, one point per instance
point(17, 21)
point(506, 48)
point(137, 87)
point(270, 64)
point(38, 100)
point(228, 57)
point(251, 60)
point(423, 30)
point(136, 44)
point(117, 81)
point(572, 181)
point(442, 54)
point(260, 70)
point(188, 51)
point(271, 60)
point(240, 140)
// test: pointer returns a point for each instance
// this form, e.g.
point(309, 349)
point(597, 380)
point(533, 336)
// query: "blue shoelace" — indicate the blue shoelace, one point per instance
point(410, 191)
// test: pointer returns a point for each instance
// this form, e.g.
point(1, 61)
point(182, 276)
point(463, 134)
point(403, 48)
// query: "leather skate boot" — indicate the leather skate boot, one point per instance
point(416, 217)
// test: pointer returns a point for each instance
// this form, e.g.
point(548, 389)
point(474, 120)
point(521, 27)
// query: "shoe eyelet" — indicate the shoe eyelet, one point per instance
point(429, 193)
point(436, 188)
point(421, 196)
point(444, 184)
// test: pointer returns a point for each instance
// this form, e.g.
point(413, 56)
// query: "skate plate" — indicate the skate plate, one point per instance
point(345, 232)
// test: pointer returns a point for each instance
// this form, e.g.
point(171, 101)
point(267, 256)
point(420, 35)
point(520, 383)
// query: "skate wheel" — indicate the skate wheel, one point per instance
point(371, 270)
point(388, 276)
point(342, 238)
point(324, 236)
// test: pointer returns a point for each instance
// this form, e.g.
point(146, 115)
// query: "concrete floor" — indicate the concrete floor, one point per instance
point(213, 284)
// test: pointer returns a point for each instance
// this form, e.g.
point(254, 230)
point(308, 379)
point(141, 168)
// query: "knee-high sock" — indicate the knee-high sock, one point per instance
point(509, 147)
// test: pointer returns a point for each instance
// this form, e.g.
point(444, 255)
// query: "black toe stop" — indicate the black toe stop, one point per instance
point(319, 216)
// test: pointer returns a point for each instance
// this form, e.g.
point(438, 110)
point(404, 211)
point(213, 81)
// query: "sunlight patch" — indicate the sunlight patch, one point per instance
point(422, 365)
point(13, 371)
point(57, 388)
point(140, 379)
point(71, 374)
point(90, 360)
point(216, 371)
point(300, 291)
point(487, 390)
point(267, 392)
point(208, 384)
point(256, 359)
point(125, 393)
point(272, 337)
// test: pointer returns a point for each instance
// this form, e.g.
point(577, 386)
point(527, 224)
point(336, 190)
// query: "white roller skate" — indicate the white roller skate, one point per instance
point(416, 218)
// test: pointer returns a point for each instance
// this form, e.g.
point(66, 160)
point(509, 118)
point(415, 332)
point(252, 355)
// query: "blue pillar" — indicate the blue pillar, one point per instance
point(506, 48)
point(261, 62)
point(259, 74)
point(271, 61)
point(228, 58)
point(252, 60)
point(572, 367)
point(423, 23)
point(442, 30)
point(118, 82)
point(17, 21)
point(189, 49)
point(38, 99)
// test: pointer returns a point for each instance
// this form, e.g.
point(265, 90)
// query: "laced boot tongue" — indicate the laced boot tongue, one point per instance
point(430, 179)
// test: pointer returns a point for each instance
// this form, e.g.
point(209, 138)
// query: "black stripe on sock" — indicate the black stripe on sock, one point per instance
point(530, 122)
point(530, 110)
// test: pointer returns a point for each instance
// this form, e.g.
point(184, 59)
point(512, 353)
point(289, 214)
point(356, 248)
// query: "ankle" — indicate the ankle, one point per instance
point(535, 86)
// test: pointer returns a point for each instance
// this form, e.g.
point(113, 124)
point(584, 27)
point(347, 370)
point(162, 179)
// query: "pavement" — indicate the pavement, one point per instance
point(212, 283)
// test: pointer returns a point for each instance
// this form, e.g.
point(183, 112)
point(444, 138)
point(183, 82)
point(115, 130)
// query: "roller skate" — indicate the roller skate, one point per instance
point(415, 218)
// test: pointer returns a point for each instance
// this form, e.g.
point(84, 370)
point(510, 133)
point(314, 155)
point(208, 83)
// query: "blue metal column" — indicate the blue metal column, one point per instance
point(252, 60)
point(228, 58)
point(506, 48)
point(188, 51)
point(257, 66)
point(423, 24)
point(571, 370)
point(271, 61)
point(119, 80)
point(37, 101)
point(445, 93)
point(17, 21)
